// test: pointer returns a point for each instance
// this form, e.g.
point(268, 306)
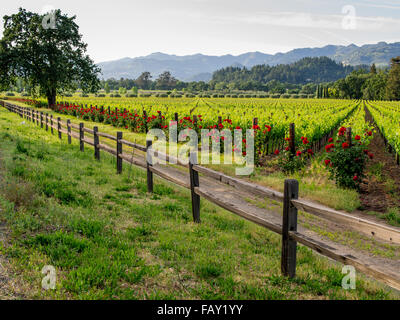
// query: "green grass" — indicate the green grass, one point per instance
point(109, 239)
point(314, 182)
point(392, 216)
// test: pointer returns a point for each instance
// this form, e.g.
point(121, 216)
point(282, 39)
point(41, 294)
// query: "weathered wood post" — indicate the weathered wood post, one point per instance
point(119, 152)
point(51, 124)
point(176, 116)
point(349, 137)
point(47, 122)
point(289, 223)
point(194, 183)
point(149, 163)
point(81, 137)
point(41, 120)
point(292, 137)
point(96, 143)
point(145, 120)
point(195, 121)
point(59, 127)
point(69, 131)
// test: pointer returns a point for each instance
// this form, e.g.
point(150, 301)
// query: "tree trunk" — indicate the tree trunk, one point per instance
point(51, 99)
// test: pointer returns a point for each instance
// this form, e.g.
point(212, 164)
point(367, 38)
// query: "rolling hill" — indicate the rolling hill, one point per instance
point(199, 67)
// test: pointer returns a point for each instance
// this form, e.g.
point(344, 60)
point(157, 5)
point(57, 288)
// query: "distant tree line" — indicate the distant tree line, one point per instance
point(383, 84)
point(164, 81)
point(316, 70)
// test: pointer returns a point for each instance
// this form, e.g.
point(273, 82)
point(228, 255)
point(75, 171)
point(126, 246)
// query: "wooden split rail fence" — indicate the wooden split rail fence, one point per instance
point(290, 199)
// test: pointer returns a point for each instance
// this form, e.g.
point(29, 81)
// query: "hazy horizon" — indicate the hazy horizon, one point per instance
point(235, 55)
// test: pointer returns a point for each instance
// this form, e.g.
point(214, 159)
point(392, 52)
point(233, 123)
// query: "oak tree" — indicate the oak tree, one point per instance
point(46, 51)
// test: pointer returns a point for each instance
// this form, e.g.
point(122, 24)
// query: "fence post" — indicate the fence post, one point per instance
point(176, 116)
point(59, 127)
point(149, 162)
point(41, 120)
point(292, 136)
point(51, 124)
point(37, 117)
point(289, 223)
point(81, 137)
point(119, 152)
point(194, 182)
point(96, 142)
point(47, 122)
point(69, 131)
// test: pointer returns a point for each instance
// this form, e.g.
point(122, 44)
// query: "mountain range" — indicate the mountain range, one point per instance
point(199, 67)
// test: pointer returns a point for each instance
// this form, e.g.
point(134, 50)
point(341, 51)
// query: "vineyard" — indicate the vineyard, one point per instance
point(285, 130)
point(270, 118)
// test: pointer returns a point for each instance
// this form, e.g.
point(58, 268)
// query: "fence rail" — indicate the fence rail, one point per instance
point(290, 200)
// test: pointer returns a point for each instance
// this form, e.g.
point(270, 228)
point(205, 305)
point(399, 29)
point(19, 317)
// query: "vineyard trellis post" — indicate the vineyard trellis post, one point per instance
point(349, 141)
point(51, 124)
point(195, 121)
point(145, 120)
point(289, 223)
point(292, 136)
point(47, 122)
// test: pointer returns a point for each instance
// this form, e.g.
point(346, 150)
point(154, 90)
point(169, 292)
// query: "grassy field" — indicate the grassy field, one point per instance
point(109, 239)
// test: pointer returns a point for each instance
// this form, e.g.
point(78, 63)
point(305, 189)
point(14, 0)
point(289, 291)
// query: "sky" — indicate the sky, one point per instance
point(130, 28)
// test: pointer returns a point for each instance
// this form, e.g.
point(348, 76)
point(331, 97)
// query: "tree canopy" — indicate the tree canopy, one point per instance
point(52, 59)
point(393, 85)
point(317, 70)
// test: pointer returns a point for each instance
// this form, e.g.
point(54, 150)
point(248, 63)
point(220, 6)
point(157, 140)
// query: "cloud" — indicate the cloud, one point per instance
point(308, 20)
point(382, 4)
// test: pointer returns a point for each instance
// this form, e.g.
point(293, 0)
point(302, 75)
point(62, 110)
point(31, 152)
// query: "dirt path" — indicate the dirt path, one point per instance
point(381, 189)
